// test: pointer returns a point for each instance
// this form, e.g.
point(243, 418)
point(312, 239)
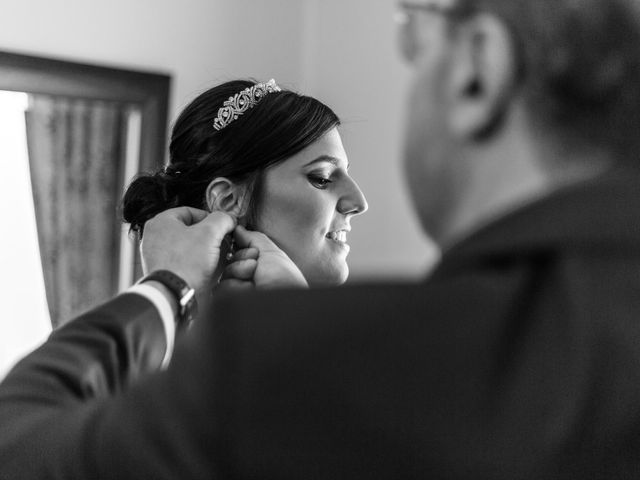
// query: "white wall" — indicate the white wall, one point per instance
point(342, 51)
point(355, 68)
point(199, 42)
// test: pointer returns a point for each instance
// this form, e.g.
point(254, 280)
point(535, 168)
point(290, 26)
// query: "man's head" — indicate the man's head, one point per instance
point(510, 92)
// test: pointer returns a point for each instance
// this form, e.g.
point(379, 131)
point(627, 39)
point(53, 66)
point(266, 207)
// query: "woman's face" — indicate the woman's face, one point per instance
point(306, 207)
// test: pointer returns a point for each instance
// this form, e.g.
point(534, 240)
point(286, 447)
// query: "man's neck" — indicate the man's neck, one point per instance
point(501, 184)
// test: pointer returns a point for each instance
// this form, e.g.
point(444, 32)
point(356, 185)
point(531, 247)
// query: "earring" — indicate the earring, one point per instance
point(232, 249)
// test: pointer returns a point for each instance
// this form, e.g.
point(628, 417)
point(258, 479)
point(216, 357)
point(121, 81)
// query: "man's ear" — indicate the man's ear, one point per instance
point(483, 77)
point(223, 195)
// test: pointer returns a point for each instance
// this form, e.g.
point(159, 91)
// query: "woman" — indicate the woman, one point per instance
point(271, 158)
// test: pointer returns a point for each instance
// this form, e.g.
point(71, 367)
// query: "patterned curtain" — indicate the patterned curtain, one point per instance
point(75, 155)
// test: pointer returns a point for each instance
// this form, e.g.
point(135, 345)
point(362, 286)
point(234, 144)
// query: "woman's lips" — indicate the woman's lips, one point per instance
point(339, 238)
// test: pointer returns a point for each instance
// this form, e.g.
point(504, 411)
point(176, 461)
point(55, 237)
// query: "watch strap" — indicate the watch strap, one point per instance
point(184, 294)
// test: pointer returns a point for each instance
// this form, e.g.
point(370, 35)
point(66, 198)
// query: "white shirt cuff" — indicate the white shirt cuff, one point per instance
point(166, 314)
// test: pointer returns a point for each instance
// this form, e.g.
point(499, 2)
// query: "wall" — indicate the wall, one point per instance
point(342, 51)
point(199, 42)
point(353, 65)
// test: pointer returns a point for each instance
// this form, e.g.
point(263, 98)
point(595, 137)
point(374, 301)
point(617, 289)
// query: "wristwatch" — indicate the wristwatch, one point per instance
point(184, 294)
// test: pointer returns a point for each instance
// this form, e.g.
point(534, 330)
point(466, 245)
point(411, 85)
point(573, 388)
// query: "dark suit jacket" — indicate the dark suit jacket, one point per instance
point(518, 358)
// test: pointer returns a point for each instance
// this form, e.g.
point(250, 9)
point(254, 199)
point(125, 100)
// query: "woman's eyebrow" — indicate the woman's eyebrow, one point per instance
point(326, 158)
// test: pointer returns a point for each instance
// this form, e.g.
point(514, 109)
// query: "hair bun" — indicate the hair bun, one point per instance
point(145, 197)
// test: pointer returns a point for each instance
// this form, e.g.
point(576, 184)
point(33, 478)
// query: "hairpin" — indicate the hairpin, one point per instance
point(243, 101)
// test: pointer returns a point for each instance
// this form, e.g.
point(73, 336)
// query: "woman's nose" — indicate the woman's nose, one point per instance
point(353, 201)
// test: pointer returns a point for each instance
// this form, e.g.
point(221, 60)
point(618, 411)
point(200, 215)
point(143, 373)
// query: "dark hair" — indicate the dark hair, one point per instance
point(579, 66)
point(279, 126)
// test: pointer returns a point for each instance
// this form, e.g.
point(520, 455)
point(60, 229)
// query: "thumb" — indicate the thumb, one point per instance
point(218, 224)
point(250, 239)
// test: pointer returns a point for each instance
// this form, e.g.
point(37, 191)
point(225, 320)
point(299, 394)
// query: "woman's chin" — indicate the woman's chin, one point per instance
point(329, 278)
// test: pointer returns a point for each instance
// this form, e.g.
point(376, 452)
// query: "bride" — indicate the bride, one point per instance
point(270, 158)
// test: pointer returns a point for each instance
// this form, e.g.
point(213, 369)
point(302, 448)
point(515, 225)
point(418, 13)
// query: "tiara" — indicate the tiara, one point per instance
point(243, 101)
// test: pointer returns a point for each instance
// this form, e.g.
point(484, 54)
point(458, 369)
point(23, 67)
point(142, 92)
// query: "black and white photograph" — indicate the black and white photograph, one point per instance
point(320, 239)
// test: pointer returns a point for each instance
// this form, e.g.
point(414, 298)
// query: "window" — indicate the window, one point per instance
point(25, 321)
point(66, 92)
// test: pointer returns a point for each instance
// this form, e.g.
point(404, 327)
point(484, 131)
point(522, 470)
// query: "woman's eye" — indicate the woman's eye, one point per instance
point(319, 181)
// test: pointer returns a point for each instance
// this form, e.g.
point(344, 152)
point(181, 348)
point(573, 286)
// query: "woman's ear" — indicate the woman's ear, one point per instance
point(222, 195)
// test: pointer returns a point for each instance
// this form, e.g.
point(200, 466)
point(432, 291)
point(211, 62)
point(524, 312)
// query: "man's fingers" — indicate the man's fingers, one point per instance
point(192, 216)
point(241, 270)
point(187, 215)
point(246, 254)
point(235, 285)
point(175, 218)
point(218, 224)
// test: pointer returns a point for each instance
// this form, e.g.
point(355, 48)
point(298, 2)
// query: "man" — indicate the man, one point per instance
point(517, 358)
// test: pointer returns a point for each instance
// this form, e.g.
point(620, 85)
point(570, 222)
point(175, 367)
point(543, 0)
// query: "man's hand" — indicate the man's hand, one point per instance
point(260, 263)
point(187, 242)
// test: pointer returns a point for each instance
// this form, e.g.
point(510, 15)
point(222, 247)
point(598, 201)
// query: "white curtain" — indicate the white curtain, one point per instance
point(76, 154)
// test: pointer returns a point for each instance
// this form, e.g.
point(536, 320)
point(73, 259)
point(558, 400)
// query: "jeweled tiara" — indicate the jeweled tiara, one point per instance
point(243, 101)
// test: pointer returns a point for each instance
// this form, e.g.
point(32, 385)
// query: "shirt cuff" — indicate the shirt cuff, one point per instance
point(166, 314)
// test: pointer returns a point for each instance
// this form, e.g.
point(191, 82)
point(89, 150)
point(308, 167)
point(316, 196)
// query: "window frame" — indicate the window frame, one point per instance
point(146, 90)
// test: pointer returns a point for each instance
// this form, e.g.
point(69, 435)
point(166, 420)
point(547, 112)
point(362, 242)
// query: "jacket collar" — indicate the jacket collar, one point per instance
point(600, 213)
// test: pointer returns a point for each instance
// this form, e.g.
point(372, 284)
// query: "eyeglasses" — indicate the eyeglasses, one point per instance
point(406, 9)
